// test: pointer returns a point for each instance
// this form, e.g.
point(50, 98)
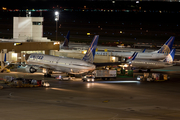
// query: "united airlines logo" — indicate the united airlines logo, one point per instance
point(36, 56)
point(165, 49)
point(89, 57)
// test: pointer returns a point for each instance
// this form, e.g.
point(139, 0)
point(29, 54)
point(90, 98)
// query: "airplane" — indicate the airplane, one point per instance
point(152, 64)
point(51, 63)
point(156, 55)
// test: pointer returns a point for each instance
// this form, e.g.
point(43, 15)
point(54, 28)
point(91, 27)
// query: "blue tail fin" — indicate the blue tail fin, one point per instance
point(170, 56)
point(5, 57)
point(134, 56)
point(89, 56)
point(66, 41)
point(144, 50)
point(167, 47)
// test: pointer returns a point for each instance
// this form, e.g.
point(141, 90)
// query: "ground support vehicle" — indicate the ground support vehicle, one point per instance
point(100, 74)
point(88, 78)
point(21, 82)
point(153, 77)
point(105, 74)
point(64, 78)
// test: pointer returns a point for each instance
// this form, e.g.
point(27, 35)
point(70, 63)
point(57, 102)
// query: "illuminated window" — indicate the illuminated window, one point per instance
point(37, 23)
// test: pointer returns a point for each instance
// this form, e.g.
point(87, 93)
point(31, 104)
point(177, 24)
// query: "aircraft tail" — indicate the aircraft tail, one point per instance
point(170, 56)
point(167, 47)
point(5, 57)
point(66, 40)
point(144, 50)
point(89, 56)
point(132, 57)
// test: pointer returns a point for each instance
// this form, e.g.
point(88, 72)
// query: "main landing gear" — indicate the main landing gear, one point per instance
point(47, 72)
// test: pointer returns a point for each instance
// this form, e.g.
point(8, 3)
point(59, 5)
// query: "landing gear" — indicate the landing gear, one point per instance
point(47, 75)
point(47, 72)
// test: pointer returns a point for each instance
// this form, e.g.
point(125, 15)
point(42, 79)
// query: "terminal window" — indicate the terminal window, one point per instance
point(37, 23)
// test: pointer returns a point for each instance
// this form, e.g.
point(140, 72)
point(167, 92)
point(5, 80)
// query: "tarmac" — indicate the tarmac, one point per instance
point(121, 99)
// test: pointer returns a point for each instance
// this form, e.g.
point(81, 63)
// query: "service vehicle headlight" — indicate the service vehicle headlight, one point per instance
point(88, 79)
point(92, 79)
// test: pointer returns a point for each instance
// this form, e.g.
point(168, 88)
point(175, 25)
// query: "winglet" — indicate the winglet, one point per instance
point(167, 47)
point(89, 56)
point(170, 56)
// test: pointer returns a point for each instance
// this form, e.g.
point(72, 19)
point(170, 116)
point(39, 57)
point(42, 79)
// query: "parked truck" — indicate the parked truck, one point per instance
point(100, 74)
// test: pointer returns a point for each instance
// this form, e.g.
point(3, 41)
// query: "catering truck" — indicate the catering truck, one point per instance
point(100, 74)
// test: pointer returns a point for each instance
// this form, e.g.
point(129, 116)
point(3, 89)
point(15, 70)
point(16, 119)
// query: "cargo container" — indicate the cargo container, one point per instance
point(100, 74)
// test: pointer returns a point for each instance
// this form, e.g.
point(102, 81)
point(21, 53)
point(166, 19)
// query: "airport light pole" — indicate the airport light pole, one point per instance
point(56, 19)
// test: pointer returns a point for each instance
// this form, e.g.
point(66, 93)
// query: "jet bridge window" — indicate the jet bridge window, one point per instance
point(37, 23)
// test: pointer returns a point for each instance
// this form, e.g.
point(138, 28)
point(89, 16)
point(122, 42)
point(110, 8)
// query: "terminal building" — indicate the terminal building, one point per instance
point(28, 38)
point(28, 29)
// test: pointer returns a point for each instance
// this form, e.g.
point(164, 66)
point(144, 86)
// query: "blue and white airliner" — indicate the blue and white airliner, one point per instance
point(51, 63)
point(156, 55)
point(152, 64)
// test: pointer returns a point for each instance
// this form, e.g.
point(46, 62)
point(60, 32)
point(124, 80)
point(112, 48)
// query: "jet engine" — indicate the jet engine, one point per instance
point(30, 69)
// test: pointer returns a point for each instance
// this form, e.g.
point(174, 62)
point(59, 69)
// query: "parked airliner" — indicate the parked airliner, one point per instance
point(51, 63)
point(152, 64)
point(156, 55)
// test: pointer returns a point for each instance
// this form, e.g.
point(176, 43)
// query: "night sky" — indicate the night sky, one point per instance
point(154, 20)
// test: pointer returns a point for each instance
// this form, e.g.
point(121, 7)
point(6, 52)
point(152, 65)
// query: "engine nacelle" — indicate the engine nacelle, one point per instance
point(30, 69)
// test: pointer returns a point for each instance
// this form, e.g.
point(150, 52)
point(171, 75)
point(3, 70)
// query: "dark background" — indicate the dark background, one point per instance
point(146, 21)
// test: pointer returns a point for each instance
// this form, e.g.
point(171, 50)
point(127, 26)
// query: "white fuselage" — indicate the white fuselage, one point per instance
point(147, 56)
point(68, 65)
point(149, 64)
